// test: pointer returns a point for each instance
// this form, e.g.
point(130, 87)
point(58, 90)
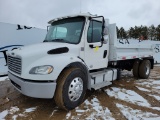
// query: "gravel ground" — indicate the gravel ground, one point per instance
point(126, 99)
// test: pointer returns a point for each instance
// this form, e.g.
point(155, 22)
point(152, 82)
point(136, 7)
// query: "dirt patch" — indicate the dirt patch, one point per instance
point(99, 104)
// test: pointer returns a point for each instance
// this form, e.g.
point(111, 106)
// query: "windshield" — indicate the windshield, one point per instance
point(68, 30)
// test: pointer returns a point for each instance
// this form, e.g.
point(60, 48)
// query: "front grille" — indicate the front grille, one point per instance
point(14, 64)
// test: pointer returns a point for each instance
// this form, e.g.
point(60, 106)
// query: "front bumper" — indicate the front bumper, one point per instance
point(33, 89)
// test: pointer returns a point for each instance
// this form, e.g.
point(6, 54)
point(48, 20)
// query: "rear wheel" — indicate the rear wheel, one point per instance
point(136, 69)
point(71, 88)
point(144, 69)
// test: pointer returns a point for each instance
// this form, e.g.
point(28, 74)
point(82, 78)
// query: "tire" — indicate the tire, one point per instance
point(70, 81)
point(144, 69)
point(136, 69)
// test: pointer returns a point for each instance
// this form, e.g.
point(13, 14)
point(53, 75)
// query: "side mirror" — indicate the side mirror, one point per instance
point(105, 31)
point(106, 39)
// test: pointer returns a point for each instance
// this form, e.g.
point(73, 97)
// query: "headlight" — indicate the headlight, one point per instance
point(42, 70)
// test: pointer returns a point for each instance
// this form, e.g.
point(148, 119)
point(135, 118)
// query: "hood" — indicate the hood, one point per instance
point(47, 48)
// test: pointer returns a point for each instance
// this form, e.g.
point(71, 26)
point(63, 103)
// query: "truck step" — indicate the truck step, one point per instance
point(101, 85)
point(98, 73)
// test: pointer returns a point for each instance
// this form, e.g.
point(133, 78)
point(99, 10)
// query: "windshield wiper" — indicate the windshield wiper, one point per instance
point(59, 40)
point(56, 40)
point(45, 41)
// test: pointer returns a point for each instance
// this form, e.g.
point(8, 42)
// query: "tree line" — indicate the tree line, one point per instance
point(140, 33)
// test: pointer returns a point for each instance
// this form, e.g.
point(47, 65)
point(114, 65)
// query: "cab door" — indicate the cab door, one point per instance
point(96, 51)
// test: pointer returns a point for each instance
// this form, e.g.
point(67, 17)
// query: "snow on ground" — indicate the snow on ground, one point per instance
point(68, 115)
point(133, 114)
point(126, 73)
point(56, 109)
point(127, 95)
point(30, 109)
point(148, 82)
point(13, 110)
point(157, 87)
point(154, 85)
point(94, 110)
point(99, 111)
point(130, 96)
point(3, 114)
point(155, 96)
point(16, 111)
point(143, 89)
point(4, 78)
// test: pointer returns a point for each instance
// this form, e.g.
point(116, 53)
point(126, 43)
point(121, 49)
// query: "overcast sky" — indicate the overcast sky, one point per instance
point(126, 13)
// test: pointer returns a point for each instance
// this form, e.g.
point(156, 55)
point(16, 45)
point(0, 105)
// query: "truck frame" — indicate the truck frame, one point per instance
point(78, 53)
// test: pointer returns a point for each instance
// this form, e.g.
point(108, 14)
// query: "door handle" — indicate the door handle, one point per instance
point(105, 54)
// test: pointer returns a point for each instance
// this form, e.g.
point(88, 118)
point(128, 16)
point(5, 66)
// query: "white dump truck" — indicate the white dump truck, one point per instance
point(78, 53)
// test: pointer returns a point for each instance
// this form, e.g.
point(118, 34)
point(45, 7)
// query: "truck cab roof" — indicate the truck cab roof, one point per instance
point(74, 15)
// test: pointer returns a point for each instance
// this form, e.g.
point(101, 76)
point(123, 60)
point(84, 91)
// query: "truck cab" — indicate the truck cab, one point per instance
point(73, 57)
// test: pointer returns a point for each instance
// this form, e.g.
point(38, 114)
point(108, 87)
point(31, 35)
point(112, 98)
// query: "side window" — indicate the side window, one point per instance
point(94, 31)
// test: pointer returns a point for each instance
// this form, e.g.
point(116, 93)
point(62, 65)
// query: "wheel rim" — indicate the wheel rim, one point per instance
point(147, 69)
point(75, 89)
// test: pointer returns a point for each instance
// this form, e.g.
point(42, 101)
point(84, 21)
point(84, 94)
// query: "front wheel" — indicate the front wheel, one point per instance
point(71, 88)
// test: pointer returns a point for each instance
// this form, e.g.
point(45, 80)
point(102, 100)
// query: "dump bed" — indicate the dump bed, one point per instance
point(126, 51)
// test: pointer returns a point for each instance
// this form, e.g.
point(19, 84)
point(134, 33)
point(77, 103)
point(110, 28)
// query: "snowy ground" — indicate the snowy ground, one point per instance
point(3, 78)
point(134, 114)
point(128, 98)
point(14, 111)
